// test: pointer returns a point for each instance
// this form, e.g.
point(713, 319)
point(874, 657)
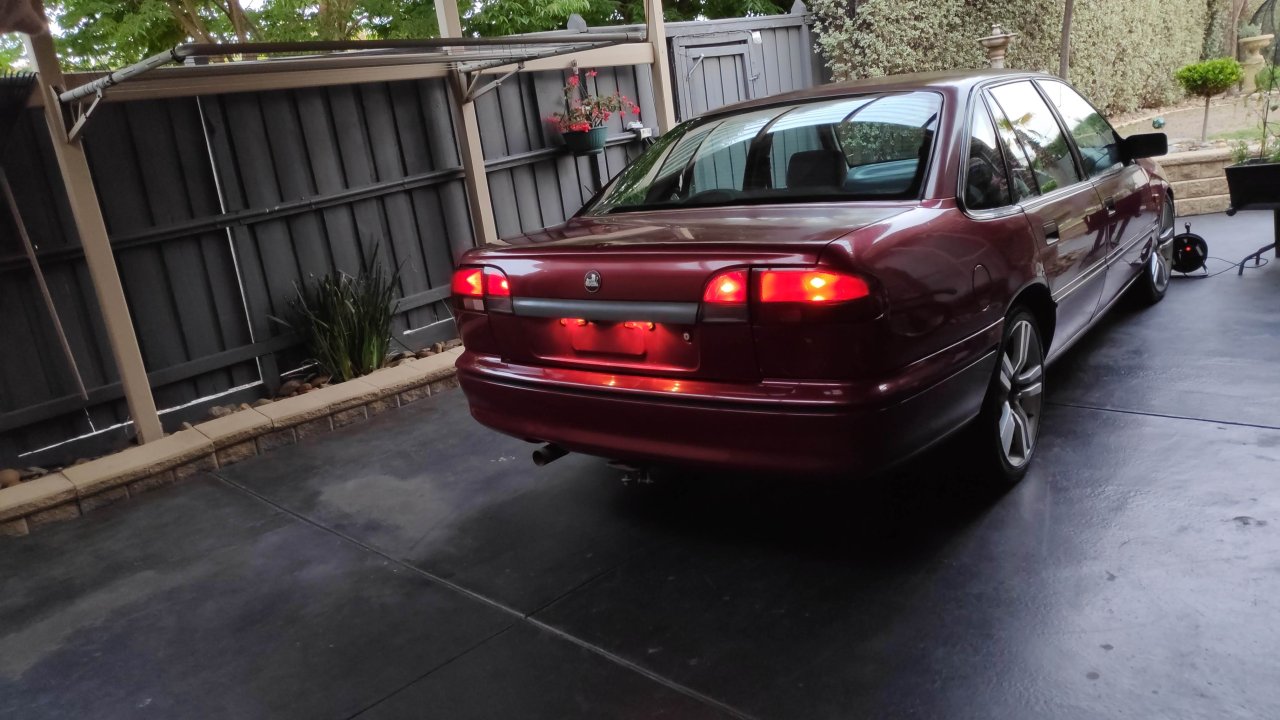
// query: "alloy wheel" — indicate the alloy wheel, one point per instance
point(1022, 380)
point(1161, 254)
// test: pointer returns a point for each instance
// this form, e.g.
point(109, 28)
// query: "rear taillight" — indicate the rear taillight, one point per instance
point(786, 294)
point(482, 288)
point(724, 299)
point(809, 286)
point(468, 282)
point(727, 288)
point(495, 283)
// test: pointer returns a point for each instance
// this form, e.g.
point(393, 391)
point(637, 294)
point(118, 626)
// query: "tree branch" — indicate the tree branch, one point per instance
point(189, 18)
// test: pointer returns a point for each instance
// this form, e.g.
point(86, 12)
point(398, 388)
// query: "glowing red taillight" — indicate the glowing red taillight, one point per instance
point(482, 288)
point(495, 283)
point(468, 282)
point(728, 287)
point(810, 286)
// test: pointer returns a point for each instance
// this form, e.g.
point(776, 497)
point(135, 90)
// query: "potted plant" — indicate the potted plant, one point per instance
point(1206, 79)
point(582, 124)
point(1254, 179)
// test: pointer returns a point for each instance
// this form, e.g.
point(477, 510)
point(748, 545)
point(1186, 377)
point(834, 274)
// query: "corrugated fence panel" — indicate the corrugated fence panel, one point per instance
point(151, 171)
point(534, 183)
point(323, 144)
point(34, 372)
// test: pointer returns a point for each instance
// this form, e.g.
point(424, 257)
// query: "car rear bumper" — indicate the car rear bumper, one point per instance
point(790, 427)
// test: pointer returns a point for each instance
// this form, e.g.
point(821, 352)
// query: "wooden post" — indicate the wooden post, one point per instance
point(656, 34)
point(92, 230)
point(468, 130)
point(1064, 49)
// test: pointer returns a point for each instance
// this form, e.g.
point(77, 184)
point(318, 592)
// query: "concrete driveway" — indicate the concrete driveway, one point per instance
point(419, 566)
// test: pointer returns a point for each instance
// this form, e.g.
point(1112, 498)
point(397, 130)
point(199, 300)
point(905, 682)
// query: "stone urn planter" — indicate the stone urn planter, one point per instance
point(1251, 51)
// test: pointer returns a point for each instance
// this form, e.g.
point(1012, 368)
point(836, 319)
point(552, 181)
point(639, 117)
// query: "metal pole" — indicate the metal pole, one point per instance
point(40, 283)
point(179, 52)
point(481, 65)
point(92, 229)
point(118, 76)
point(444, 41)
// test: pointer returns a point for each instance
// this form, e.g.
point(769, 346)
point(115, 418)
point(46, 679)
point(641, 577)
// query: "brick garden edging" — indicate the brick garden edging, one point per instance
point(218, 443)
point(1198, 179)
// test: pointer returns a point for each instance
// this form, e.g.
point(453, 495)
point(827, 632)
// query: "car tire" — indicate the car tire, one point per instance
point(1153, 283)
point(1008, 427)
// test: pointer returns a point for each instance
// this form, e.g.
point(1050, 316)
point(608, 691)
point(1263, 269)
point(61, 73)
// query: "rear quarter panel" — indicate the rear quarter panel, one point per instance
point(946, 279)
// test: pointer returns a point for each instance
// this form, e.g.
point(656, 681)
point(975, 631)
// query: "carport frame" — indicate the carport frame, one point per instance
point(149, 80)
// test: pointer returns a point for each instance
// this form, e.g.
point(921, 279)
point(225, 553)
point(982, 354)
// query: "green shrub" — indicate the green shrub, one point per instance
point(1120, 58)
point(1249, 30)
point(345, 321)
point(1206, 79)
point(1209, 78)
point(1239, 151)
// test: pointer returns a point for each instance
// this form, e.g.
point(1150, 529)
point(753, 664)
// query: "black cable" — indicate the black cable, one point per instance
point(1231, 265)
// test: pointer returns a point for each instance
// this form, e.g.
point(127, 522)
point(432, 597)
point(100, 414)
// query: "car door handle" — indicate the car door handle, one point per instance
point(1051, 231)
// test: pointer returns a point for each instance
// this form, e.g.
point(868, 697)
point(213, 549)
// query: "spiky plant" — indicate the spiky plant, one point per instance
point(345, 321)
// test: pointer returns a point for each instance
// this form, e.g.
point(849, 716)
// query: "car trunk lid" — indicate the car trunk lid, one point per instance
point(623, 293)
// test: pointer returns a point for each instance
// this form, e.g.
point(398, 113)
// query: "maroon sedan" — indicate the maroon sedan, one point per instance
point(826, 281)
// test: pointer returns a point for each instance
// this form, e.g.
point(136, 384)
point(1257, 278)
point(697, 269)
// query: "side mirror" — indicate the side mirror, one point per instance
point(1143, 145)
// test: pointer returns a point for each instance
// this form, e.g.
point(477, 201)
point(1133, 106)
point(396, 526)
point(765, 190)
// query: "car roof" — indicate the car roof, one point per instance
point(951, 82)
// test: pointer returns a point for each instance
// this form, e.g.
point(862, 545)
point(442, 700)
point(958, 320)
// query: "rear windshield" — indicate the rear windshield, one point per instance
point(866, 147)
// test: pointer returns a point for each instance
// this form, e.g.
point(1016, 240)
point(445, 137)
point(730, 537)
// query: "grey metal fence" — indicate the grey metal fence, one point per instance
point(218, 205)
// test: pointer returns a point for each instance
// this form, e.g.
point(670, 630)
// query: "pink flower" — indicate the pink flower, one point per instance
point(573, 81)
point(635, 109)
point(591, 73)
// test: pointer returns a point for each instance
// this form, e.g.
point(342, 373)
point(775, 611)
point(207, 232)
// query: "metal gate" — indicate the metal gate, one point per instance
point(714, 70)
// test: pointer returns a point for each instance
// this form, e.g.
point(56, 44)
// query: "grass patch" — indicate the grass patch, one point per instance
point(1241, 134)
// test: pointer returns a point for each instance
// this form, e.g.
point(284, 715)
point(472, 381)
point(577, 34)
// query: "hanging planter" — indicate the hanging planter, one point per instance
point(586, 142)
point(582, 125)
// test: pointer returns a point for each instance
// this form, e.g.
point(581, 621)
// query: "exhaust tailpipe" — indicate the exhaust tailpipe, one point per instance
point(548, 453)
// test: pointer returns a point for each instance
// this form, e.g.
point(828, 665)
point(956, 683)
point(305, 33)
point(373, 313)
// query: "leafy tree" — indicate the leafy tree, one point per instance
point(613, 12)
point(1209, 78)
point(512, 17)
point(10, 52)
point(99, 34)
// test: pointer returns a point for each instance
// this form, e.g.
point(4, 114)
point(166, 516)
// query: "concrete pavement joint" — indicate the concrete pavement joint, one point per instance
point(584, 644)
point(1235, 423)
point(428, 673)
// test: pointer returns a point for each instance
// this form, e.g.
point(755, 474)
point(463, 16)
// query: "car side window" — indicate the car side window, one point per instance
point(1098, 143)
point(1022, 181)
point(986, 183)
point(1022, 113)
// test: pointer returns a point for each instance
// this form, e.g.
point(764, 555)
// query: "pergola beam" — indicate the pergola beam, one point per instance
point(663, 97)
point(178, 53)
point(92, 230)
point(484, 227)
point(250, 76)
